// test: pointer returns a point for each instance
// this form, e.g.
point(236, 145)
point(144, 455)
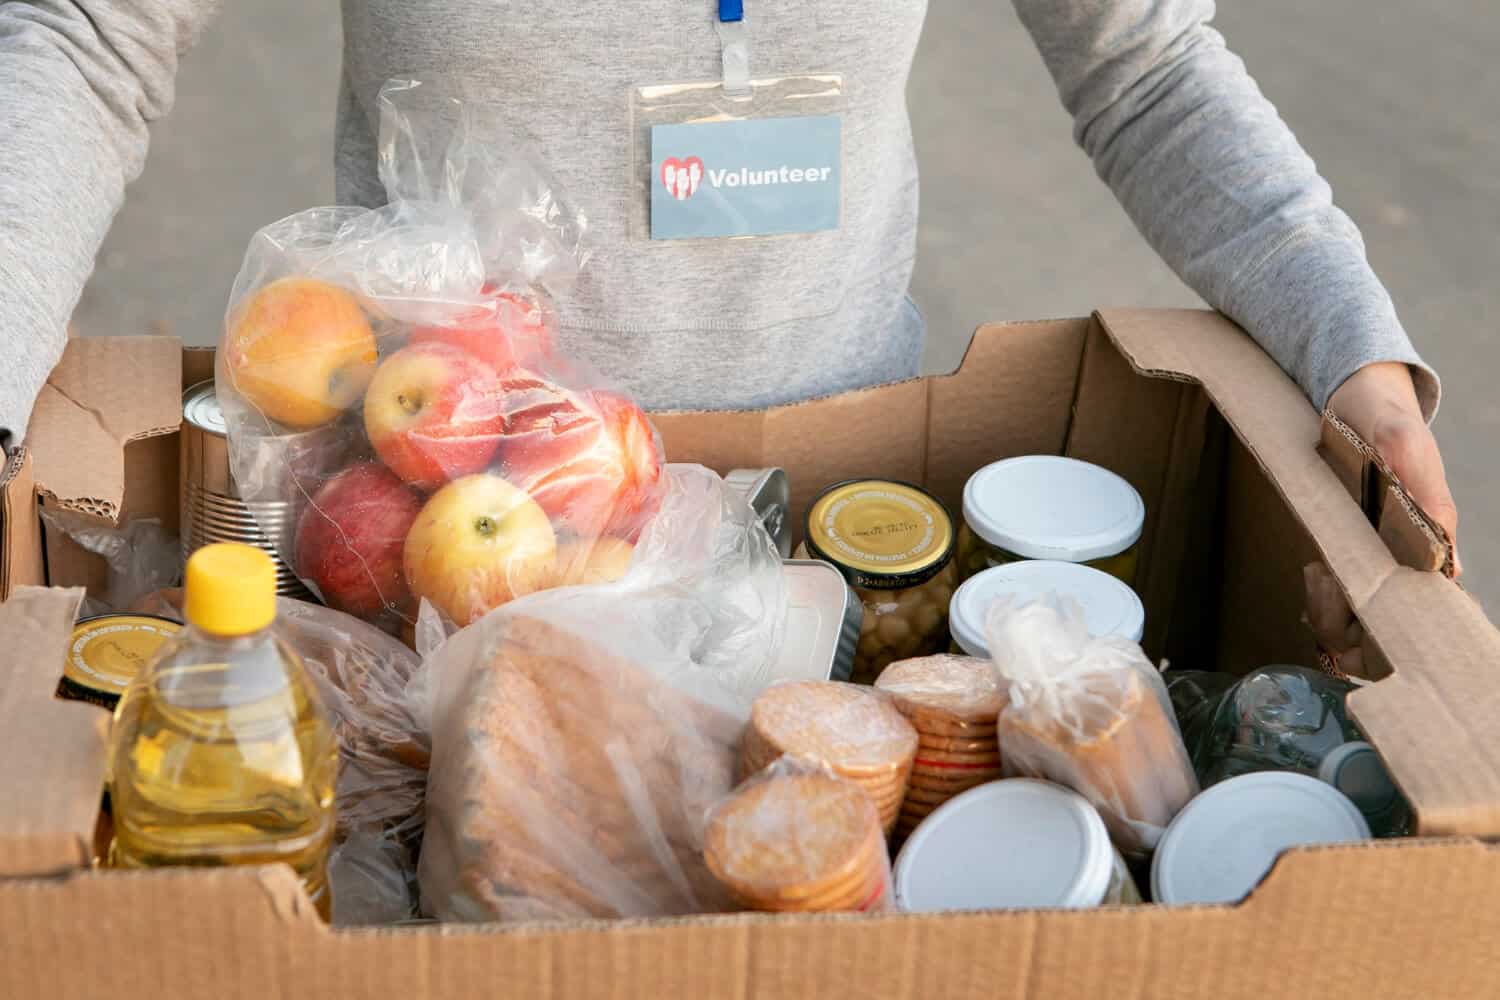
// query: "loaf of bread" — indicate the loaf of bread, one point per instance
point(567, 782)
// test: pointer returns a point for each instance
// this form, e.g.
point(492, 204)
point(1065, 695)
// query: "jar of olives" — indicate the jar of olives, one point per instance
point(894, 543)
point(1050, 507)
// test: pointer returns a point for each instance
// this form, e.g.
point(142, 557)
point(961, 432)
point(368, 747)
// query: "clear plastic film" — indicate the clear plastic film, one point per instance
point(945, 693)
point(798, 837)
point(581, 734)
point(1091, 714)
point(708, 102)
point(853, 730)
point(390, 374)
point(141, 554)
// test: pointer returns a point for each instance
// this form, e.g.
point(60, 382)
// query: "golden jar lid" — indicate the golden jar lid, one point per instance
point(107, 651)
point(882, 534)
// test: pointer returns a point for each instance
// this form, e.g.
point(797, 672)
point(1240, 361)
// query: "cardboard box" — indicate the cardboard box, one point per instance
point(1226, 453)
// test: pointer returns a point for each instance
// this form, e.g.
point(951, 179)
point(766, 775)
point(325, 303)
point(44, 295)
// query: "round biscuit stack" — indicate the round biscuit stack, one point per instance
point(952, 702)
point(798, 839)
point(853, 730)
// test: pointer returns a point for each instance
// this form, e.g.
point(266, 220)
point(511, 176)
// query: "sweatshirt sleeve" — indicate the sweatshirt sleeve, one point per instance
point(79, 82)
point(1217, 183)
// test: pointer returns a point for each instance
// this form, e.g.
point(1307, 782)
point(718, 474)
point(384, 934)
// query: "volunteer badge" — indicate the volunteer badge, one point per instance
point(757, 177)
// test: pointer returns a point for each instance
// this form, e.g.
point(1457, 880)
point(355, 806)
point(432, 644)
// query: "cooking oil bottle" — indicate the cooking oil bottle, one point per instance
point(221, 752)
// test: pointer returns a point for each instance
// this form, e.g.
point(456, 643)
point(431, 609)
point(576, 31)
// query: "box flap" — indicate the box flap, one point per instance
point(21, 561)
point(104, 393)
point(54, 759)
point(1433, 720)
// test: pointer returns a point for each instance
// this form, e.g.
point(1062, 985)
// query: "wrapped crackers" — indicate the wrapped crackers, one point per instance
point(1089, 713)
point(798, 838)
point(953, 703)
point(853, 730)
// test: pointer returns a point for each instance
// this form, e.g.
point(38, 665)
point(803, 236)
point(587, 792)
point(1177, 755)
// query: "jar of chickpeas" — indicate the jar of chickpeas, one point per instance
point(894, 543)
point(1050, 507)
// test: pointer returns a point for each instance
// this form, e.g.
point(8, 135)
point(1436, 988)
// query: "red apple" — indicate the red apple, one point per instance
point(434, 413)
point(478, 543)
point(350, 540)
point(591, 459)
point(515, 332)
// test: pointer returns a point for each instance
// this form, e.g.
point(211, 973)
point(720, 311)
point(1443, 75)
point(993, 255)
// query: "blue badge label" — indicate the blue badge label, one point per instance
point(745, 178)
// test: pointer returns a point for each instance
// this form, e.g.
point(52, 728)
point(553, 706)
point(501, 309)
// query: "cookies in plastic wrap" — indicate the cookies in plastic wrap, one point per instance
point(796, 837)
point(1089, 713)
point(850, 728)
point(953, 702)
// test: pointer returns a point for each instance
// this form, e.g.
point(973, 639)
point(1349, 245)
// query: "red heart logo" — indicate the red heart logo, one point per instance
point(681, 177)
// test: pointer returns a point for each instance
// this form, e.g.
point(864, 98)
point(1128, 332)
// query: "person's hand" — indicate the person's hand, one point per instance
point(1380, 403)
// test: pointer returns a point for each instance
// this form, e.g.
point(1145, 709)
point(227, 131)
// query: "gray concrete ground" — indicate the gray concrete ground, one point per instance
point(1395, 101)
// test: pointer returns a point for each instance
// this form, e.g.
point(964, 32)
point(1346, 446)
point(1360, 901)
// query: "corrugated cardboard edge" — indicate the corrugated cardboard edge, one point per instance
point(1412, 535)
point(1433, 719)
point(53, 763)
point(82, 421)
point(21, 559)
point(1390, 920)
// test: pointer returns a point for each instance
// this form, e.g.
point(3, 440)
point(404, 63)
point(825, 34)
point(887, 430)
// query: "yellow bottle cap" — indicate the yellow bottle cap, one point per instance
point(231, 589)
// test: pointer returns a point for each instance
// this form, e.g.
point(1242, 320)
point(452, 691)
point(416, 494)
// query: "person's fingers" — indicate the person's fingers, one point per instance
point(1409, 448)
point(1328, 614)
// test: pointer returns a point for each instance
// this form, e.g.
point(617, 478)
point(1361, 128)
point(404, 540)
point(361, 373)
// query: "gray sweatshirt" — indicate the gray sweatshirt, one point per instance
point(1201, 161)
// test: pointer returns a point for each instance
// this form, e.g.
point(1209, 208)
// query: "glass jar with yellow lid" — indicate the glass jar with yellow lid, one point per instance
point(894, 543)
point(1050, 507)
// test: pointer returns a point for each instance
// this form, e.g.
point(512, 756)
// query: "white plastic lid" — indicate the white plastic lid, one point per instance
point(1009, 844)
point(1049, 507)
point(1222, 844)
point(1355, 769)
point(1110, 607)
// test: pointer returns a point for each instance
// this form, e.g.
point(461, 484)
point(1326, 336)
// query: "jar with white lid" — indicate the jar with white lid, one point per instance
point(1018, 843)
point(1109, 606)
point(1050, 507)
point(894, 544)
point(1223, 842)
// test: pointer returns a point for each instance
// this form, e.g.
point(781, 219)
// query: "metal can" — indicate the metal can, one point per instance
point(210, 507)
point(105, 653)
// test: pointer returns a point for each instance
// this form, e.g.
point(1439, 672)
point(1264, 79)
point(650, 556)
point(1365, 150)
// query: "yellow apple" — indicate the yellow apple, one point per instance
point(601, 560)
point(478, 543)
point(301, 351)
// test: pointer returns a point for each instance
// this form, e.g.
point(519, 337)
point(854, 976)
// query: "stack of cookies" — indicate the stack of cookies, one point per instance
point(797, 838)
point(854, 731)
point(952, 702)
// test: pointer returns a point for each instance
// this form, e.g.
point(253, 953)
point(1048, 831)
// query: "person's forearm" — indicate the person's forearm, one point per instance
point(1218, 185)
point(80, 81)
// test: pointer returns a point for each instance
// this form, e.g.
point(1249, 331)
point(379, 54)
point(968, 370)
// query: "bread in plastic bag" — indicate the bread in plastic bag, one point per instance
point(390, 384)
point(1089, 713)
point(581, 734)
point(797, 837)
point(854, 730)
point(362, 675)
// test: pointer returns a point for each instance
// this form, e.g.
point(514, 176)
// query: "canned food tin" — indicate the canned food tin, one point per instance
point(107, 651)
point(211, 510)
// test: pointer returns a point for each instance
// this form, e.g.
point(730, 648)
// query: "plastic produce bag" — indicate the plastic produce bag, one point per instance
point(362, 675)
point(390, 375)
point(581, 734)
point(142, 556)
point(1091, 714)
